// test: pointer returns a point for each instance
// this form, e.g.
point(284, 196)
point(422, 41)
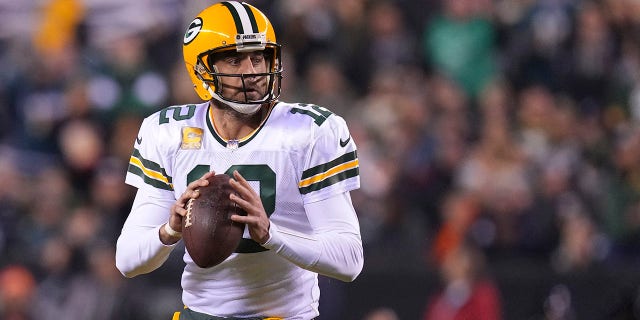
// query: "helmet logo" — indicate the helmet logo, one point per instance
point(193, 30)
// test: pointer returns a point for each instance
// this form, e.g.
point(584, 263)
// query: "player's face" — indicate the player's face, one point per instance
point(248, 87)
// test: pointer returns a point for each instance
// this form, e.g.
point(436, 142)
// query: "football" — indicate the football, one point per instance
point(210, 236)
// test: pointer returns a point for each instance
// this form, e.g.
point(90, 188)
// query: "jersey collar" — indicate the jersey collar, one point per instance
point(241, 142)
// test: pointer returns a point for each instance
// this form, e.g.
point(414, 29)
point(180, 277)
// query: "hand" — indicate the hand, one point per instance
point(178, 209)
point(256, 218)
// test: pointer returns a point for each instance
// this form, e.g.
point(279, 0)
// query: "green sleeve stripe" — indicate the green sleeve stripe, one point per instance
point(150, 165)
point(331, 180)
point(148, 180)
point(151, 172)
point(331, 164)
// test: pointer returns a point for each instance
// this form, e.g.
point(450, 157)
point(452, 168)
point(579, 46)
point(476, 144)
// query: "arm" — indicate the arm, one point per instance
point(139, 249)
point(334, 249)
point(144, 244)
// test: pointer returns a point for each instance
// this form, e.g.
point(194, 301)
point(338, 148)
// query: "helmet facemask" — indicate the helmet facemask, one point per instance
point(213, 80)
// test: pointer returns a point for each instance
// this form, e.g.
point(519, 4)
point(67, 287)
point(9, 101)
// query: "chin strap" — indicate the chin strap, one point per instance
point(244, 108)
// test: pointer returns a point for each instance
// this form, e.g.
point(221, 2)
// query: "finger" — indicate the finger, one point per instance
point(191, 194)
point(244, 189)
point(244, 204)
point(239, 188)
point(193, 188)
point(186, 196)
point(238, 176)
point(180, 210)
point(241, 180)
point(208, 174)
point(244, 219)
point(197, 183)
point(203, 181)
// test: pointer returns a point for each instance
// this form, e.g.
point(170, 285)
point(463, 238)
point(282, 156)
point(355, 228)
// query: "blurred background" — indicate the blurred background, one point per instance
point(499, 146)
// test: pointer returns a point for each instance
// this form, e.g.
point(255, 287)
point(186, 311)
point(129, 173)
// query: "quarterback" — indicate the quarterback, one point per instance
point(292, 166)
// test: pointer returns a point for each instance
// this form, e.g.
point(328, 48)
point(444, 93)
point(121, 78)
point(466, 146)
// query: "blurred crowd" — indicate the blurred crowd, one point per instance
point(488, 130)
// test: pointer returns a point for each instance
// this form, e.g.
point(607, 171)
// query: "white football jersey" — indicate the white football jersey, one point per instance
point(300, 154)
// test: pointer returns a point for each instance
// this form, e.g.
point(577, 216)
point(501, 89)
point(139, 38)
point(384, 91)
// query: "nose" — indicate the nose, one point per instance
point(246, 65)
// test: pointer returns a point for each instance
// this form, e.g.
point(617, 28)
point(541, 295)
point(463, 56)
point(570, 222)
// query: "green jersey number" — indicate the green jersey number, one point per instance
point(178, 113)
point(251, 172)
point(319, 114)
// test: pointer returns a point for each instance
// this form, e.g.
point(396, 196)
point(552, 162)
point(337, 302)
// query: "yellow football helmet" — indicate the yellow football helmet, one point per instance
point(224, 26)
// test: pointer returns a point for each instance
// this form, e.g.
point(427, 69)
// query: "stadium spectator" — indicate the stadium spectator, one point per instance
point(544, 93)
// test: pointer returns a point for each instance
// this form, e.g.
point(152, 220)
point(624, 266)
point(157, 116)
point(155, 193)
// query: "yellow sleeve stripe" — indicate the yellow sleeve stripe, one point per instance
point(322, 176)
point(154, 176)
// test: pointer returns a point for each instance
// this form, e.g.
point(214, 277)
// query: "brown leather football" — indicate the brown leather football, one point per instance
point(210, 236)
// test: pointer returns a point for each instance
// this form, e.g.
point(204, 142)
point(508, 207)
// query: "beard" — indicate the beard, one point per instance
point(254, 118)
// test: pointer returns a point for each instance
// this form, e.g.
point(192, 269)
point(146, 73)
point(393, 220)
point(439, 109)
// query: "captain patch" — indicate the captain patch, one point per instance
point(191, 138)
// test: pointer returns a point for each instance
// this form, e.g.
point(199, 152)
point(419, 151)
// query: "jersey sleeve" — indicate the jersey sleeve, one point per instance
point(139, 249)
point(335, 247)
point(148, 168)
point(331, 167)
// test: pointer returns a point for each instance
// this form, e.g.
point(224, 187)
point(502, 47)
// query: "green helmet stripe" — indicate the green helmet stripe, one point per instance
point(235, 15)
point(243, 17)
point(252, 18)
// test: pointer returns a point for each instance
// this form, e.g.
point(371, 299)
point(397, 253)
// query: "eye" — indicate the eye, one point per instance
point(257, 58)
point(234, 61)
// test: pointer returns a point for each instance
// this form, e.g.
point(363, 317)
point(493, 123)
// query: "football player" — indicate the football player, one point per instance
point(293, 166)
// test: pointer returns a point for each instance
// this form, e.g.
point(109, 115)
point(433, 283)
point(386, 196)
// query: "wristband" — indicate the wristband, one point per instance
point(171, 232)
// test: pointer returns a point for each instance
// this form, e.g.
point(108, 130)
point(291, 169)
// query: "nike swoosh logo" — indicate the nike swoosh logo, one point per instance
point(139, 140)
point(344, 143)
